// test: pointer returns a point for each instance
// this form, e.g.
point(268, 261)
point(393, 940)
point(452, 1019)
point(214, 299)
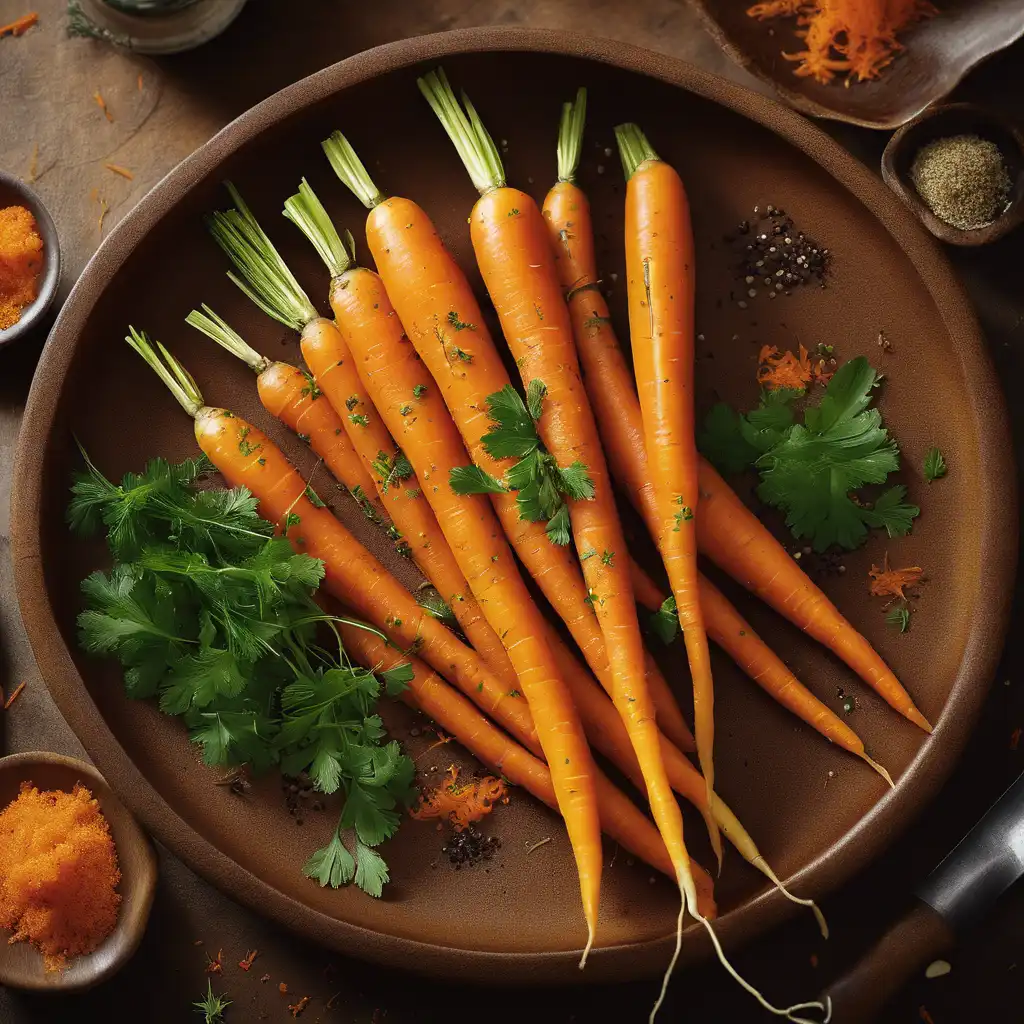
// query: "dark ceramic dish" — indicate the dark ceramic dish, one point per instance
point(14, 192)
point(817, 814)
point(940, 51)
point(942, 122)
point(21, 966)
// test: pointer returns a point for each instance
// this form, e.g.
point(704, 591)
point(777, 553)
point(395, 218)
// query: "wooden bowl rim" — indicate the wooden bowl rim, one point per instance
point(997, 526)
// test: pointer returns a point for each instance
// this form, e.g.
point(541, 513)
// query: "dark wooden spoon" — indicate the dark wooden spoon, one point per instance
point(21, 966)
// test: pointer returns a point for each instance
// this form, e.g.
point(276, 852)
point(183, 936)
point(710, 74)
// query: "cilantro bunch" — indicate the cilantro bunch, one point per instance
point(813, 470)
point(214, 616)
point(541, 485)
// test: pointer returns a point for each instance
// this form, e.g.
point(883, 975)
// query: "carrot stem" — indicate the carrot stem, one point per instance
point(227, 337)
point(634, 148)
point(471, 139)
point(350, 169)
point(570, 135)
point(307, 213)
point(178, 380)
point(267, 279)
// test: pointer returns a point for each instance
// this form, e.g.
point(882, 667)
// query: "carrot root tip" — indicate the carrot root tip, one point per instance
point(763, 866)
point(588, 947)
point(715, 835)
point(918, 719)
point(675, 956)
point(787, 1012)
point(881, 771)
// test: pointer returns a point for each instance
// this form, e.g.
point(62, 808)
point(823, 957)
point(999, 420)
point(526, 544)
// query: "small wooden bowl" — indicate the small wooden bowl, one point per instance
point(941, 122)
point(21, 965)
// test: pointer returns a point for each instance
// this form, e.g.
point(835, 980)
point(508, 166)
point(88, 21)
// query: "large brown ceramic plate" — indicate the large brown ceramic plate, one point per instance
point(817, 814)
point(940, 51)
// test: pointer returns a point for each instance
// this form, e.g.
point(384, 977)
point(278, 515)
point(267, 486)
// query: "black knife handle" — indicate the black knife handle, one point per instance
point(909, 946)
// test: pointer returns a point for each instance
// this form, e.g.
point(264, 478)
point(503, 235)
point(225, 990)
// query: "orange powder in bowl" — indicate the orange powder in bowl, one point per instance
point(58, 873)
point(21, 262)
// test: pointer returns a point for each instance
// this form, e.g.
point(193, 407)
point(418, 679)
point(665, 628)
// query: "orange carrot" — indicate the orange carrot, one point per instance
point(659, 271)
point(510, 242)
point(359, 581)
point(430, 694)
point(291, 395)
point(392, 374)
point(389, 482)
point(438, 309)
point(737, 541)
point(610, 386)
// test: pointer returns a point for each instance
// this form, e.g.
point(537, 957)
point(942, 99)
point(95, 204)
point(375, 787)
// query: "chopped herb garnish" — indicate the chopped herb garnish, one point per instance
point(392, 469)
point(358, 419)
point(899, 616)
point(244, 446)
point(459, 324)
point(314, 497)
point(607, 558)
point(419, 390)
point(587, 554)
point(351, 402)
point(292, 519)
point(934, 465)
point(405, 410)
point(514, 693)
point(303, 437)
point(212, 1007)
point(664, 623)
point(310, 387)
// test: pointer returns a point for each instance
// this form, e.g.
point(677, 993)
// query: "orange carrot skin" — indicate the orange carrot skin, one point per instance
point(246, 457)
point(427, 285)
point(510, 242)
point(333, 368)
point(736, 540)
point(391, 372)
point(659, 271)
point(288, 394)
point(429, 693)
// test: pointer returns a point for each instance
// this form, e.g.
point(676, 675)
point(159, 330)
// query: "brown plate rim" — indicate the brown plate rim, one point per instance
point(891, 815)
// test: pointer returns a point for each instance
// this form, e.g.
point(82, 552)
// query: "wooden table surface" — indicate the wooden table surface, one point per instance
point(52, 129)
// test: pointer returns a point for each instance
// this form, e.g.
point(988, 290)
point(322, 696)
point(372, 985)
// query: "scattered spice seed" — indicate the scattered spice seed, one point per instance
point(470, 846)
point(774, 256)
point(198, 942)
point(33, 167)
point(104, 207)
point(962, 179)
point(937, 968)
point(283, 988)
point(925, 1016)
point(246, 962)
point(19, 26)
point(264, 979)
point(123, 171)
point(215, 965)
point(329, 1005)
point(883, 342)
point(14, 696)
point(814, 959)
point(102, 104)
point(139, 81)
point(1015, 738)
point(538, 844)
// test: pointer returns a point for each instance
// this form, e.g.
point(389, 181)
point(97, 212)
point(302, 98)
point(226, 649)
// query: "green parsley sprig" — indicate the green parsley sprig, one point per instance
point(212, 1007)
point(214, 616)
point(813, 470)
point(541, 485)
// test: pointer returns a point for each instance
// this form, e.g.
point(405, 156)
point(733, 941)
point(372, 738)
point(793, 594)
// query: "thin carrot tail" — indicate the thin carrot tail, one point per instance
point(918, 719)
point(714, 833)
point(762, 865)
point(587, 948)
point(878, 768)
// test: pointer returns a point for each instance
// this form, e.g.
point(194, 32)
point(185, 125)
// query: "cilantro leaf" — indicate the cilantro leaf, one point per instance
point(514, 434)
point(559, 527)
point(473, 480)
point(371, 871)
point(664, 623)
point(723, 443)
point(891, 513)
point(899, 617)
point(331, 865)
point(576, 483)
point(934, 465)
point(396, 680)
point(536, 392)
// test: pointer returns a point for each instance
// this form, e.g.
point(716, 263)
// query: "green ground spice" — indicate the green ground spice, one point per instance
point(962, 179)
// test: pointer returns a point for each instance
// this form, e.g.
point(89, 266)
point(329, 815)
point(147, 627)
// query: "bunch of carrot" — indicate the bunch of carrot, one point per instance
point(408, 402)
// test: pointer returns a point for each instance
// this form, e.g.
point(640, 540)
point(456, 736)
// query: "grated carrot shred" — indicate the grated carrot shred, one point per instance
point(777, 370)
point(854, 37)
point(886, 582)
point(58, 873)
point(461, 802)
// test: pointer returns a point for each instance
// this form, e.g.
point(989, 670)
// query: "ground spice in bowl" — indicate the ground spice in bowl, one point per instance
point(58, 873)
point(962, 179)
point(21, 263)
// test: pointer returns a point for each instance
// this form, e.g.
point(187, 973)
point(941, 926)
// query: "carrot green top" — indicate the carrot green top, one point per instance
point(178, 380)
point(221, 332)
point(350, 169)
point(570, 135)
point(634, 148)
point(466, 130)
point(265, 277)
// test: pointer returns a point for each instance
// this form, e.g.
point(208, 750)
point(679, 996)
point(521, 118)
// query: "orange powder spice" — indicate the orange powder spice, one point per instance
point(21, 260)
point(58, 873)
